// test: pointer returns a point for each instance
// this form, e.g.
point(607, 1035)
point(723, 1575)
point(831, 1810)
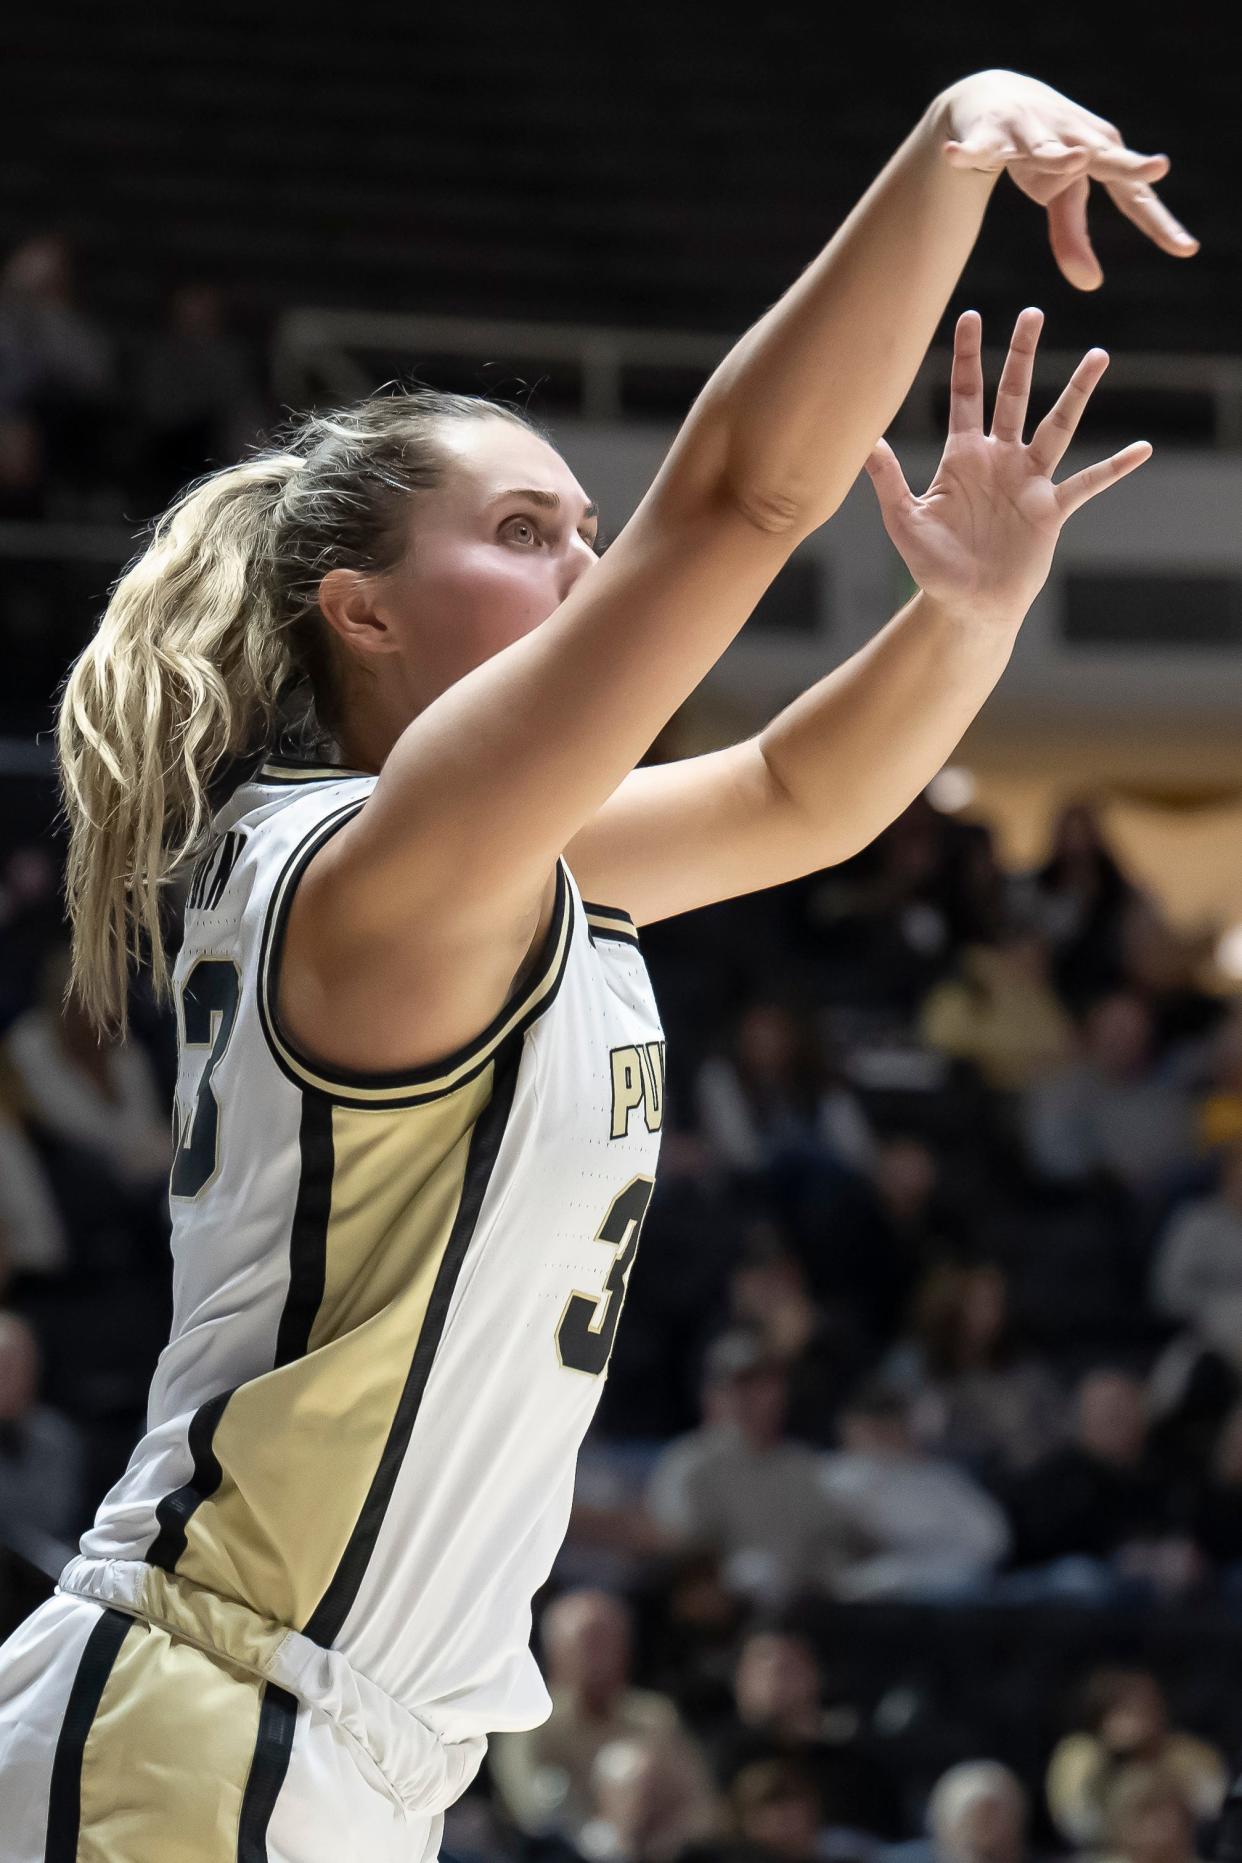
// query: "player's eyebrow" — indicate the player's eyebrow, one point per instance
point(547, 501)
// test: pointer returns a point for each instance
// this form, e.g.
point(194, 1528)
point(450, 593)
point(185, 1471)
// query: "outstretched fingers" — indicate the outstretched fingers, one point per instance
point(1069, 238)
point(966, 379)
point(889, 480)
point(1093, 480)
point(1014, 391)
point(1110, 162)
point(1140, 203)
point(1059, 425)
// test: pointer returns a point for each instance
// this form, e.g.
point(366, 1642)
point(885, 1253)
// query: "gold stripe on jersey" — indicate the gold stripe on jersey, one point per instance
point(408, 1087)
point(609, 922)
point(299, 1447)
point(276, 772)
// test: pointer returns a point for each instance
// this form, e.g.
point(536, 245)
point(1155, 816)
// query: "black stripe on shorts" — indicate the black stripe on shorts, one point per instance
point(267, 1772)
point(65, 1802)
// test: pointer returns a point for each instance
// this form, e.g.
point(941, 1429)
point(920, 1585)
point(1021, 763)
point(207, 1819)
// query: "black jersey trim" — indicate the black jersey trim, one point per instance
point(64, 1812)
point(406, 1086)
point(610, 922)
point(308, 1239)
point(325, 1622)
point(608, 912)
point(273, 1749)
point(308, 1233)
point(175, 1511)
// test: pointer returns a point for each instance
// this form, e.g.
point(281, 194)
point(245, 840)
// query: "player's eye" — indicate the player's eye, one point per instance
point(529, 523)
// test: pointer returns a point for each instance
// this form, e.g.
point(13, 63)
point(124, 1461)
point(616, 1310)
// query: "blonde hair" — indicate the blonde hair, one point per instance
point(212, 648)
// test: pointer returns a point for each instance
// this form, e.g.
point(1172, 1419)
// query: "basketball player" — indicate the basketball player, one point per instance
point(421, 1074)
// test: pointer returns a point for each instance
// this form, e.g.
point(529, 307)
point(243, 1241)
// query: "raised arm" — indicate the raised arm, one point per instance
point(846, 757)
point(491, 781)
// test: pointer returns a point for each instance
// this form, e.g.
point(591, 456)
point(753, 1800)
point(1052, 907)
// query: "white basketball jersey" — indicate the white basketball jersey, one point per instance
point(395, 1296)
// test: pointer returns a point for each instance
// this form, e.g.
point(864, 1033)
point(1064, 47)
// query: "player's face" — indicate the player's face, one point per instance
point(486, 563)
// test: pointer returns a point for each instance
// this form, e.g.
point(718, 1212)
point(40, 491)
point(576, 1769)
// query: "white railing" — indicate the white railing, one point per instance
point(317, 350)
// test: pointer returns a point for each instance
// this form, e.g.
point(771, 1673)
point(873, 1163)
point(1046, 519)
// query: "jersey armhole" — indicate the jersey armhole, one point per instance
point(406, 1086)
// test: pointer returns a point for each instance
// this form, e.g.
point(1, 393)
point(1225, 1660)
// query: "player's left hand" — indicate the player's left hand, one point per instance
point(1054, 149)
point(980, 540)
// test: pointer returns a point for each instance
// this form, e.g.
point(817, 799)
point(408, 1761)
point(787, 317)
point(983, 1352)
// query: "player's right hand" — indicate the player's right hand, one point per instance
point(1054, 149)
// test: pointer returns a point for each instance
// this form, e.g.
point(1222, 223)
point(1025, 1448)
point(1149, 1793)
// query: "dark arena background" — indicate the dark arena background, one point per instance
point(947, 1236)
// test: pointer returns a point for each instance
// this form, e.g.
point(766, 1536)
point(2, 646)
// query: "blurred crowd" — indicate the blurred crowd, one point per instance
point(927, 1403)
point(100, 425)
point(936, 1313)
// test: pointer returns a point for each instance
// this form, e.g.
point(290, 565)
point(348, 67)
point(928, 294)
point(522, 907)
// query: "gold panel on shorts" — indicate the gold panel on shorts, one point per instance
point(168, 1754)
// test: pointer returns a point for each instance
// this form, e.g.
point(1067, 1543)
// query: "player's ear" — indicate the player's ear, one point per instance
point(347, 604)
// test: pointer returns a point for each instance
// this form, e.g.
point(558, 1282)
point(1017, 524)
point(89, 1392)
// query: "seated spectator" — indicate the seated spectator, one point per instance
point(1216, 1511)
point(1198, 1261)
point(544, 1774)
point(924, 1215)
point(100, 1097)
point(740, 1488)
point(775, 1811)
point(977, 1813)
point(611, 1538)
point(23, 469)
point(1126, 1723)
point(1163, 966)
point(648, 1803)
point(476, 1830)
point(1193, 1386)
point(195, 393)
point(866, 1243)
point(1111, 1113)
point(1147, 1818)
point(1000, 1012)
point(1220, 1108)
point(824, 1355)
point(880, 929)
point(780, 1710)
point(874, 928)
point(691, 1625)
point(1078, 897)
point(975, 1395)
point(31, 922)
point(48, 346)
point(32, 1235)
point(931, 1529)
point(58, 366)
point(772, 1092)
point(41, 1461)
point(1102, 1497)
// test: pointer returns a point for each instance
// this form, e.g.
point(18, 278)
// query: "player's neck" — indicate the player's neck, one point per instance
point(367, 737)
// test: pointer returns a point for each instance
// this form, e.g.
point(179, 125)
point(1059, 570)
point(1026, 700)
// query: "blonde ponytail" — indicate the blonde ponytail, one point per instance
point(182, 673)
point(203, 640)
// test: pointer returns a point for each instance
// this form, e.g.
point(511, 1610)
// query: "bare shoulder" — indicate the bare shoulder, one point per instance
point(349, 997)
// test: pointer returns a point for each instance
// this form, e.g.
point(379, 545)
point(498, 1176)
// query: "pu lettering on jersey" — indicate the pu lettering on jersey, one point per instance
point(637, 1085)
